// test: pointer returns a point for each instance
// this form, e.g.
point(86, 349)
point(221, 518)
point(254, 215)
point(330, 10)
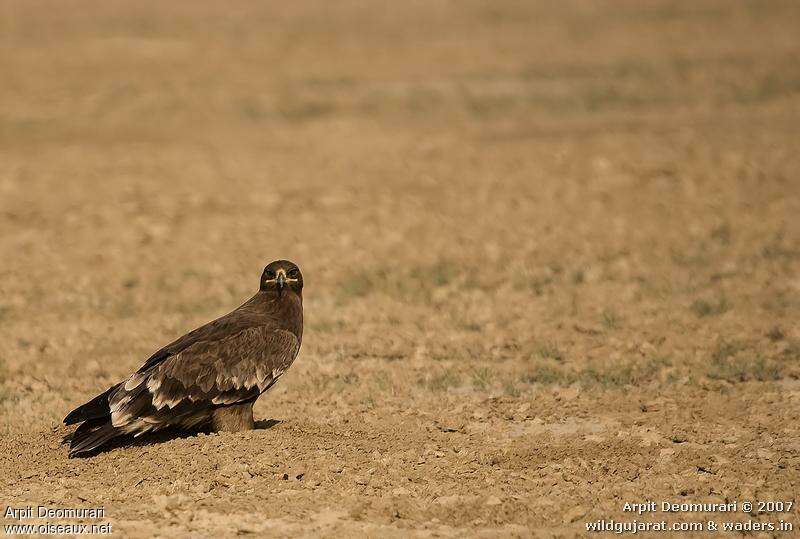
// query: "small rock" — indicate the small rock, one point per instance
point(652, 406)
point(679, 438)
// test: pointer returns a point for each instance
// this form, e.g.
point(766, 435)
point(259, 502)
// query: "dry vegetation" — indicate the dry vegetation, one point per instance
point(552, 255)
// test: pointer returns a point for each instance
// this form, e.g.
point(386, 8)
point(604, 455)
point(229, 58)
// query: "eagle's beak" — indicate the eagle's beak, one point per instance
point(280, 280)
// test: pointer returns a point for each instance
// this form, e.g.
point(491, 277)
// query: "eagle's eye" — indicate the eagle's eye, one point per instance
point(294, 273)
point(270, 274)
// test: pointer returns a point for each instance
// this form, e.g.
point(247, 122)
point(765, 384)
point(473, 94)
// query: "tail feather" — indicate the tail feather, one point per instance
point(91, 435)
point(94, 409)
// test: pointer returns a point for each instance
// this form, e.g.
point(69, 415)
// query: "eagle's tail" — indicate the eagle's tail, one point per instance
point(94, 409)
point(92, 434)
point(95, 427)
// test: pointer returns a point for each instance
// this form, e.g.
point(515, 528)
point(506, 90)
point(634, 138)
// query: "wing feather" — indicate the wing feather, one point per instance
point(185, 387)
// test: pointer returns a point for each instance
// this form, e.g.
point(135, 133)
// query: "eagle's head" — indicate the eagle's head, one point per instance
point(280, 275)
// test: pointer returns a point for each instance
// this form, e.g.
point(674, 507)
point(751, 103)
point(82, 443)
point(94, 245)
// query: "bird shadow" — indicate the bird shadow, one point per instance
point(156, 438)
point(265, 424)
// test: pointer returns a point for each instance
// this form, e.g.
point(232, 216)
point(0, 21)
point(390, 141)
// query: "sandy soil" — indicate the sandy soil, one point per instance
point(551, 253)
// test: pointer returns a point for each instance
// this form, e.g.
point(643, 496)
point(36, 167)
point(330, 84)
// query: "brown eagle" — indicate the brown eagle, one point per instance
point(210, 376)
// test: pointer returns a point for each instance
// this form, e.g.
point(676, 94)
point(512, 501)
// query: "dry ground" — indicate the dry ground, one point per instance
point(551, 249)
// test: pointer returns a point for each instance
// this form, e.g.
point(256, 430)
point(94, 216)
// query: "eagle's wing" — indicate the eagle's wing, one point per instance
point(185, 387)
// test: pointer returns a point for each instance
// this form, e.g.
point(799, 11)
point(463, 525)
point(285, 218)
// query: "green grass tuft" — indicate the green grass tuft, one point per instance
point(731, 362)
point(613, 375)
point(703, 308)
point(511, 389)
point(550, 350)
point(743, 369)
point(611, 320)
point(548, 375)
point(482, 377)
point(442, 380)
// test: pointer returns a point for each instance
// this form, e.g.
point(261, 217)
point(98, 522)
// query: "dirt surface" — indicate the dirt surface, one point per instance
point(551, 254)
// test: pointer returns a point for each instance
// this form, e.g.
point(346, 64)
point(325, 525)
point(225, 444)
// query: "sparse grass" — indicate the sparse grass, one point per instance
point(725, 349)
point(776, 333)
point(300, 109)
point(461, 321)
point(440, 274)
point(703, 308)
point(792, 350)
point(511, 389)
point(732, 362)
point(550, 350)
point(546, 374)
point(482, 377)
point(471, 326)
point(324, 325)
point(611, 321)
point(690, 258)
point(384, 382)
point(613, 375)
point(457, 352)
point(336, 382)
point(358, 285)
point(722, 234)
point(537, 281)
point(768, 87)
point(3, 378)
point(626, 373)
point(743, 369)
point(350, 378)
point(441, 381)
point(411, 284)
point(779, 248)
point(780, 302)
point(125, 309)
point(624, 86)
point(251, 108)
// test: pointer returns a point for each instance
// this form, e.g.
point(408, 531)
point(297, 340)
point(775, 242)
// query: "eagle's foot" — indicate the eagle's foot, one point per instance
point(233, 418)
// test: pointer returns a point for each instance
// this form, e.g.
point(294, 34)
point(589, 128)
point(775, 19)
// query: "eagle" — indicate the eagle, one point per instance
point(210, 377)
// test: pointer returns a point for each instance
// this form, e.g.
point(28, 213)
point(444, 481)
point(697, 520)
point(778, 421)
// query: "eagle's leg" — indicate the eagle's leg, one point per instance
point(233, 418)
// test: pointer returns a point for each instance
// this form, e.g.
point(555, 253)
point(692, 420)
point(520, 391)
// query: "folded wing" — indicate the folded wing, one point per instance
point(187, 386)
point(184, 388)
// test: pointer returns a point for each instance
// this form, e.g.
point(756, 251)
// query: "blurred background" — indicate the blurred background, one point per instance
point(488, 200)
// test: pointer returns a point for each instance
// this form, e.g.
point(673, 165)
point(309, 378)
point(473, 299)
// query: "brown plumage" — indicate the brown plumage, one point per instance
point(210, 376)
